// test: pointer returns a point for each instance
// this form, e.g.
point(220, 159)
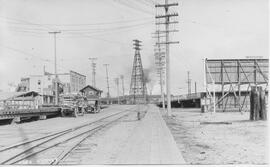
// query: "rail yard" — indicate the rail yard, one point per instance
point(134, 82)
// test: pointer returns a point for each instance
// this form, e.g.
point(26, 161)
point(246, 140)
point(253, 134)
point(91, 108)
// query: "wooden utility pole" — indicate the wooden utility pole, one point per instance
point(117, 84)
point(160, 66)
point(195, 87)
point(123, 86)
point(189, 83)
point(167, 22)
point(93, 64)
point(55, 67)
point(107, 79)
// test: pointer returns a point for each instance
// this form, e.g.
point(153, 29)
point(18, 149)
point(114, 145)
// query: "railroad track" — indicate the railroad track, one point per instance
point(52, 148)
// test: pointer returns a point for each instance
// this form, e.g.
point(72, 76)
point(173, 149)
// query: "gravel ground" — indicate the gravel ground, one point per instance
point(220, 138)
point(105, 146)
point(11, 134)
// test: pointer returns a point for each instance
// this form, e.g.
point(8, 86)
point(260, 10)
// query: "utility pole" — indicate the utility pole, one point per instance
point(55, 67)
point(93, 64)
point(189, 83)
point(195, 87)
point(167, 22)
point(107, 78)
point(123, 86)
point(160, 66)
point(117, 84)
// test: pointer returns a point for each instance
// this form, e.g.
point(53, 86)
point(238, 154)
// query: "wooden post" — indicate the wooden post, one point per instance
point(252, 103)
point(257, 104)
point(263, 111)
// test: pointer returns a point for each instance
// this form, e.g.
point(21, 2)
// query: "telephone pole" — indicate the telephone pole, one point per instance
point(107, 79)
point(195, 87)
point(189, 83)
point(117, 84)
point(123, 86)
point(55, 67)
point(93, 64)
point(167, 43)
point(160, 66)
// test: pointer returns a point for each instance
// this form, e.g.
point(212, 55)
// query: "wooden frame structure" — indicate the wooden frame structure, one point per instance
point(230, 76)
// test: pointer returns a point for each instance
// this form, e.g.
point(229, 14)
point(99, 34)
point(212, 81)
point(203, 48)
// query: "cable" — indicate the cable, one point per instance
point(25, 53)
point(132, 7)
point(106, 30)
point(27, 22)
point(101, 23)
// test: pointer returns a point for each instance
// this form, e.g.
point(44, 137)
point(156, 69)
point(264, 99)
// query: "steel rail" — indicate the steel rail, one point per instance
point(70, 149)
point(53, 134)
point(61, 142)
point(56, 135)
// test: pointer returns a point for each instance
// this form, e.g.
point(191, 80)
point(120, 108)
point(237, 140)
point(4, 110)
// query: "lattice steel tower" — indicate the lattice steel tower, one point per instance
point(137, 85)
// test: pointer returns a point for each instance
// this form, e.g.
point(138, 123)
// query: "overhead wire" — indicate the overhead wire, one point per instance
point(127, 4)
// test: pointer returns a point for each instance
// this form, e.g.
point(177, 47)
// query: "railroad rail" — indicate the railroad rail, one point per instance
point(60, 143)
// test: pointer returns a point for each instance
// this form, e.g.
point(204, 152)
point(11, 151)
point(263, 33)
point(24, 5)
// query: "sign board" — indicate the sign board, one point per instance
point(235, 71)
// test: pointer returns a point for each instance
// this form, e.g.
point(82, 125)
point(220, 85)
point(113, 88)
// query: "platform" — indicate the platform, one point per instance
point(151, 143)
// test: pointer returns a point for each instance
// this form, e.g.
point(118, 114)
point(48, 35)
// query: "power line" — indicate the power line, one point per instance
point(96, 30)
point(143, 2)
point(29, 23)
point(25, 53)
point(108, 29)
point(101, 23)
point(132, 7)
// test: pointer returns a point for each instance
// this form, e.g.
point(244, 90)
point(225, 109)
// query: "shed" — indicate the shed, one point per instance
point(91, 92)
point(19, 99)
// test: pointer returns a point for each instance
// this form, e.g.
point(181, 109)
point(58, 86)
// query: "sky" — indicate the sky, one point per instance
point(105, 29)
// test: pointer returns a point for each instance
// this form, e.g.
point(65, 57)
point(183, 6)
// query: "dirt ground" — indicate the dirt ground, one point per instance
point(220, 138)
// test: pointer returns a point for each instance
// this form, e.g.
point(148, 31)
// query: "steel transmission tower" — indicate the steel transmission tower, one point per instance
point(137, 85)
point(93, 64)
point(167, 15)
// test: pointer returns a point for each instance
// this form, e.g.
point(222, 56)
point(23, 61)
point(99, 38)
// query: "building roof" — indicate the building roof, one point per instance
point(91, 87)
point(74, 72)
point(9, 95)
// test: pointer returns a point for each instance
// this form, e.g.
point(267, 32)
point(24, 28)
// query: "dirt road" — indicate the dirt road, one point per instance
point(220, 138)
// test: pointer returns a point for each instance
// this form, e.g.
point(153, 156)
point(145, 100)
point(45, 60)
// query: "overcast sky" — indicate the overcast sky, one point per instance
point(105, 29)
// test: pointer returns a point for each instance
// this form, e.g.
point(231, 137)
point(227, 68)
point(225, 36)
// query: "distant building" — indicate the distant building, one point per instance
point(91, 92)
point(24, 86)
point(77, 81)
point(38, 83)
point(20, 100)
point(71, 82)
